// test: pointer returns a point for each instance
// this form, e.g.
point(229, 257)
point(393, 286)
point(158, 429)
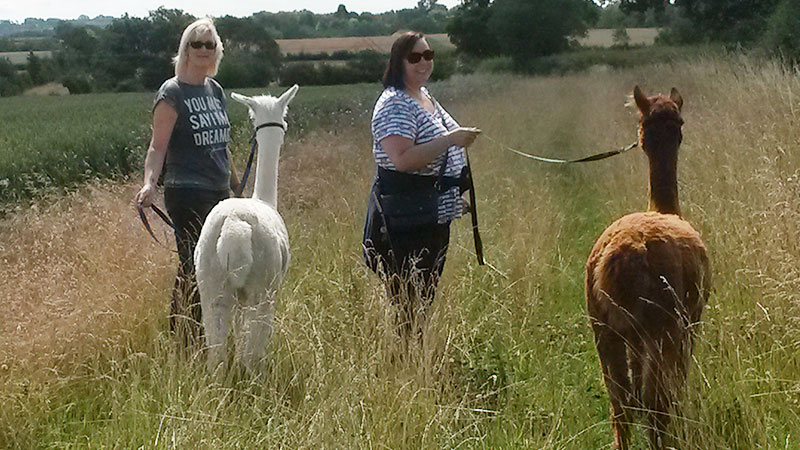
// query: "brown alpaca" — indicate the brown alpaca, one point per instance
point(647, 279)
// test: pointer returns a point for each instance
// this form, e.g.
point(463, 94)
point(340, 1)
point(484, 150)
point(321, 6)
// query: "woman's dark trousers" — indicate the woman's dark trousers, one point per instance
point(412, 263)
point(188, 209)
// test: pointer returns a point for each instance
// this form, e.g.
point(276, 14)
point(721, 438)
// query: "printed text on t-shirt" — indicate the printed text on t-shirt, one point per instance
point(204, 113)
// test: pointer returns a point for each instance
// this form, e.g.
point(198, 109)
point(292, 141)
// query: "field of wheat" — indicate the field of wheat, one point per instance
point(382, 44)
point(508, 361)
point(604, 37)
point(596, 37)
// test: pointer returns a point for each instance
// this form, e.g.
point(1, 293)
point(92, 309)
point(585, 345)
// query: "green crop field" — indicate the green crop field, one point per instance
point(508, 360)
point(51, 142)
point(48, 144)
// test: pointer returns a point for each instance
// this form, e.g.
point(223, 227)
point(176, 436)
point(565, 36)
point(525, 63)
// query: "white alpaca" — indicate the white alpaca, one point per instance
point(243, 250)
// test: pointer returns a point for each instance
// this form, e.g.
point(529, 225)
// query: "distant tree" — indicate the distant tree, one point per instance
point(612, 16)
point(522, 29)
point(81, 41)
point(368, 25)
point(161, 44)
point(82, 55)
point(252, 57)
point(643, 5)
point(620, 38)
point(526, 29)
point(135, 53)
point(418, 19)
point(469, 29)
point(10, 81)
point(426, 5)
point(40, 70)
point(127, 52)
point(35, 69)
point(288, 25)
point(244, 33)
point(341, 13)
point(731, 21)
point(428, 17)
point(783, 31)
point(735, 21)
point(7, 70)
point(7, 45)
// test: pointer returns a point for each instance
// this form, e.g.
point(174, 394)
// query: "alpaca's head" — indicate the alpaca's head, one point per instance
point(659, 107)
point(266, 108)
point(660, 119)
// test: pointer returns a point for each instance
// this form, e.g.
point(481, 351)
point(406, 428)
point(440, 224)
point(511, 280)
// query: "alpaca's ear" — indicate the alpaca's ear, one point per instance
point(243, 99)
point(288, 96)
point(675, 96)
point(641, 101)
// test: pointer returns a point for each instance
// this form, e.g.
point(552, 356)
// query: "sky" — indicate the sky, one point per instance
point(18, 10)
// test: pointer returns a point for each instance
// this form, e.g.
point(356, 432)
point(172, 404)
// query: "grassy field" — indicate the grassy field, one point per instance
point(508, 361)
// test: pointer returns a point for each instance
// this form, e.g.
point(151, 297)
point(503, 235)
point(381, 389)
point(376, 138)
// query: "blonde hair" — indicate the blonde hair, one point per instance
point(195, 29)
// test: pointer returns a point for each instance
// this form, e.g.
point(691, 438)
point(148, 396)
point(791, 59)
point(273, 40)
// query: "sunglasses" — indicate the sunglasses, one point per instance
point(211, 45)
point(415, 57)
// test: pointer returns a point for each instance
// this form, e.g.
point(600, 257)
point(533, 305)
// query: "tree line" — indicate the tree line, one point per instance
point(526, 30)
point(131, 53)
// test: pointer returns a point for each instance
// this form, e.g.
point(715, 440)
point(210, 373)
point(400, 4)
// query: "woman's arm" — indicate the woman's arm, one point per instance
point(408, 157)
point(164, 118)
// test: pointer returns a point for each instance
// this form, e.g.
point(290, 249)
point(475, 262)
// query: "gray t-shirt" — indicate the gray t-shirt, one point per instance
point(197, 154)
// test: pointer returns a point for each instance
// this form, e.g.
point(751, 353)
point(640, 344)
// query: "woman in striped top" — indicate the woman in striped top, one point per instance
point(419, 150)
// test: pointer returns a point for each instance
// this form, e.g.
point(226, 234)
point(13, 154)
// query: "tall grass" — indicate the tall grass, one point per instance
point(508, 359)
point(597, 59)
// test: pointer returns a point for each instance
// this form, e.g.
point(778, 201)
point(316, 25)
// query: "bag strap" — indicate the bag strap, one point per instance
point(441, 186)
point(470, 186)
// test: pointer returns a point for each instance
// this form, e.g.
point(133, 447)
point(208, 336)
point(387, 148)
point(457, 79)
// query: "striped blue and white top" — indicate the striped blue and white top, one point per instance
point(397, 114)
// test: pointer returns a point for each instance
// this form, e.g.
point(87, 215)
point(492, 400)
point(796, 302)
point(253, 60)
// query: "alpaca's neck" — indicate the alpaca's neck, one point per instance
point(664, 187)
point(663, 155)
point(269, 149)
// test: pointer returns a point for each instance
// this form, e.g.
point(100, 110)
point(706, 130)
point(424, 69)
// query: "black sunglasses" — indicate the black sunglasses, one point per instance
point(415, 57)
point(211, 45)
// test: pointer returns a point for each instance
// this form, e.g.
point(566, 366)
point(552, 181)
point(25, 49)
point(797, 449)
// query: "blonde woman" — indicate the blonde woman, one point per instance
point(190, 139)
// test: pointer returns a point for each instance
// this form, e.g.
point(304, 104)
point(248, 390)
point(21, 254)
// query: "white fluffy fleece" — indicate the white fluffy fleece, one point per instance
point(243, 250)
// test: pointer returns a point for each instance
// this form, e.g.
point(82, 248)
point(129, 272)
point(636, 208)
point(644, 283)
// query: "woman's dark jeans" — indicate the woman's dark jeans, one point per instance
point(411, 264)
point(188, 209)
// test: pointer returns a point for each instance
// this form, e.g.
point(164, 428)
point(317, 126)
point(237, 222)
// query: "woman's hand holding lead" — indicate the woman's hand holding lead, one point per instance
point(146, 195)
point(462, 136)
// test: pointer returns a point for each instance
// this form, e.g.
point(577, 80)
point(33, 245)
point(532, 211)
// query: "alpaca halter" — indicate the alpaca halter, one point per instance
point(253, 147)
point(280, 125)
point(165, 218)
